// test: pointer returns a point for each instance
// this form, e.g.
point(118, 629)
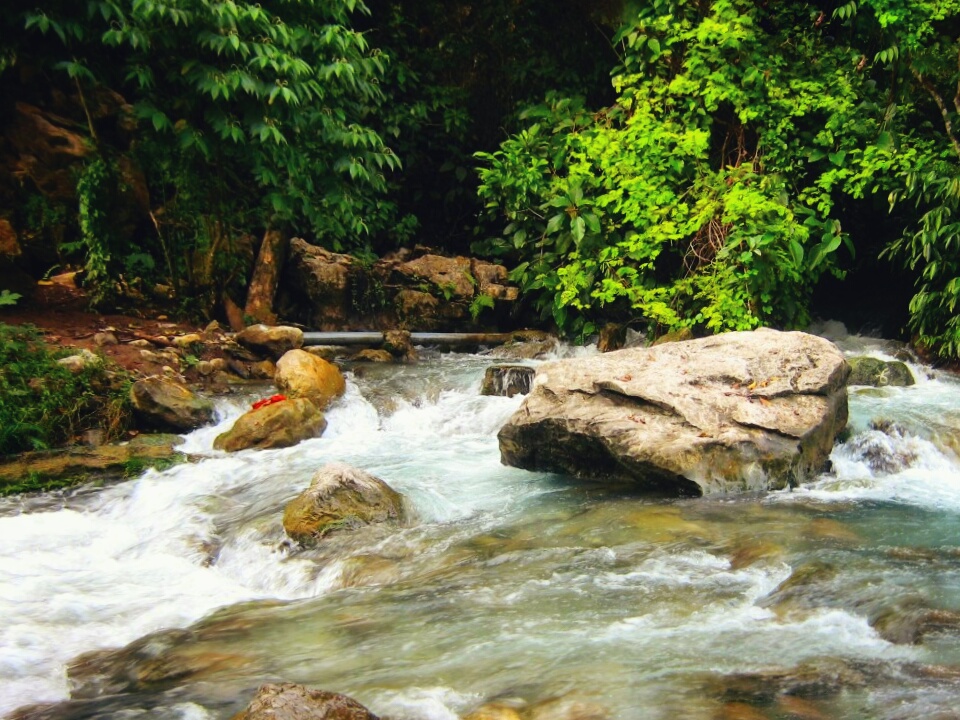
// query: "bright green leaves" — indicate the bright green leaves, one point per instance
point(707, 201)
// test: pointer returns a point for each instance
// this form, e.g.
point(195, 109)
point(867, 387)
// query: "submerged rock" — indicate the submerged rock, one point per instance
point(287, 701)
point(340, 497)
point(879, 373)
point(302, 374)
point(743, 411)
point(169, 405)
point(507, 380)
point(281, 424)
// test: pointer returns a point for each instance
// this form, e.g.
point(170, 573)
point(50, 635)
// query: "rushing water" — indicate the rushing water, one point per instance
point(838, 600)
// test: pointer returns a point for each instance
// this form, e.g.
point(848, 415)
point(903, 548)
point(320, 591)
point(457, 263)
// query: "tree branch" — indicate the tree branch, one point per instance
point(932, 92)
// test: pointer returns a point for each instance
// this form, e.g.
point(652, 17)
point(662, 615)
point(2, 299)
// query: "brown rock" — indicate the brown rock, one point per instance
point(301, 374)
point(449, 278)
point(612, 337)
point(296, 702)
point(340, 497)
point(282, 424)
point(168, 405)
point(323, 281)
point(372, 355)
point(272, 340)
point(9, 245)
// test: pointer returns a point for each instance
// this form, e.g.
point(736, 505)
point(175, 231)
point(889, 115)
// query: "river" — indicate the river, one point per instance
point(567, 600)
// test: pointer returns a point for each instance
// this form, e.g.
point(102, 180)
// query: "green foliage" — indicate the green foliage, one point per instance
point(94, 201)
point(480, 302)
point(249, 113)
point(43, 404)
point(8, 298)
point(704, 197)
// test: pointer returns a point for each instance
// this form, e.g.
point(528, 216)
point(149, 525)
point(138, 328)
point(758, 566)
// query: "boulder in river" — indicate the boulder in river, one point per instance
point(278, 425)
point(287, 701)
point(272, 340)
point(165, 404)
point(340, 497)
point(874, 372)
point(302, 374)
point(744, 411)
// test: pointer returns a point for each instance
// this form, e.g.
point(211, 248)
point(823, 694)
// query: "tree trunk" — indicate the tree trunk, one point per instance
point(266, 276)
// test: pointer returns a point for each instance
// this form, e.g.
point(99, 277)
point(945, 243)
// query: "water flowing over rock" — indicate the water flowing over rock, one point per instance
point(288, 701)
point(168, 405)
point(340, 497)
point(282, 424)
point(301, 374)
point(744, 411)
point(507, 380)
point(879, 373)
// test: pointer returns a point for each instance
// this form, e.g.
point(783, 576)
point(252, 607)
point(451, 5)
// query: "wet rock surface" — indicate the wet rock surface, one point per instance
point(507, 380)
point(302, 374)
point(737, 412)
point(340, 497)
point(287, 701)
point(873, 372)
point(165, 404)
point(281, 424)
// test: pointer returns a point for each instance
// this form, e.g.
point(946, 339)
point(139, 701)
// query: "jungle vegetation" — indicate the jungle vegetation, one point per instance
point(702, 164)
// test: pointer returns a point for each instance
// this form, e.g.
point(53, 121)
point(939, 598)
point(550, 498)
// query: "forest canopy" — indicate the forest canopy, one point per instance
point(704, 165)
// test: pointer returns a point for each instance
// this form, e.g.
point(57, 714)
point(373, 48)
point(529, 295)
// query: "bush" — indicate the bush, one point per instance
point(43, 404)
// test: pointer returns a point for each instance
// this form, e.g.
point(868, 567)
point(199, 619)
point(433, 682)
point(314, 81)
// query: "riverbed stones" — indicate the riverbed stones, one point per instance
point(874, 372)
point(271, 340)
point(279, 425)
point(287, 701)
point(302, 374)
point(166, 404)
point(340, 497)
point(745, 411)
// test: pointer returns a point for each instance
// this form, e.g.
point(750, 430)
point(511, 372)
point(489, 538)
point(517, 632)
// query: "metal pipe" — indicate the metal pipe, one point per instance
point(417, 338)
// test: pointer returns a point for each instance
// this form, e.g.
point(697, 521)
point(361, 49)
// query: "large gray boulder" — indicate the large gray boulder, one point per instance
point(286, 701)
point(738, 412)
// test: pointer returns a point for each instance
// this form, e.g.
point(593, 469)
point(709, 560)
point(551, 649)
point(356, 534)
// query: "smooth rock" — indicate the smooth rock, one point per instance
point(272, 340)
point(301, 374)
point(168, 405)
point(340, 497)
point(279, 425)
point(873, 372)
point(738, 412)
point(287, 701)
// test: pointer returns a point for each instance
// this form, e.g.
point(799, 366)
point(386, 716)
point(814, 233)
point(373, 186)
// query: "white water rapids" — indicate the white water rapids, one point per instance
point(509, 584)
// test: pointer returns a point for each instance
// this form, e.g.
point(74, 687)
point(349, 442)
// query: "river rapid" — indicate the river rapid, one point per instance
point(840, 599)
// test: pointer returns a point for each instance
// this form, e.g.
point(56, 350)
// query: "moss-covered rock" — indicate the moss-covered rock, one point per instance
point(50, 469)
point(340, 497)
point(873, 372)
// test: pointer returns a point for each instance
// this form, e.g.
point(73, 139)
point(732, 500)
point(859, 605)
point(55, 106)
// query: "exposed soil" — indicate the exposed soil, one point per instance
point(61, 312)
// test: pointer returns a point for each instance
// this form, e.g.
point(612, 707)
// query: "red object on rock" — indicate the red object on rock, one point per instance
point(269, 401)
